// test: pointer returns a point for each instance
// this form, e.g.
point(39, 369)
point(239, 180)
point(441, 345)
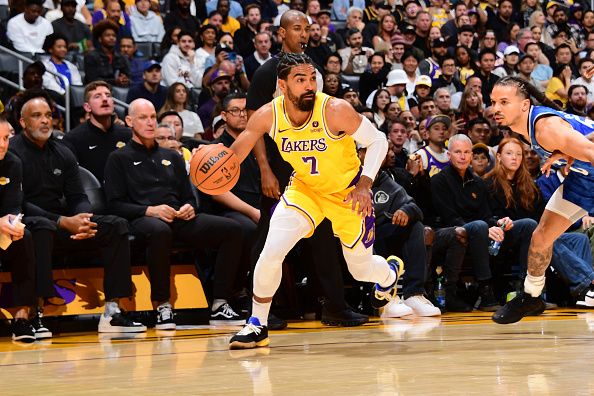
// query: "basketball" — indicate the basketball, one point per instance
point(214, 169)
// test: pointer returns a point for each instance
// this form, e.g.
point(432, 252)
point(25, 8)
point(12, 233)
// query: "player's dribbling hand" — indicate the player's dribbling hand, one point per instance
point(360, 197)
point(556, 156)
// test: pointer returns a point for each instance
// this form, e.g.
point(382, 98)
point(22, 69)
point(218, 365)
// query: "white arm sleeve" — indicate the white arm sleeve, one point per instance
point(376, 144)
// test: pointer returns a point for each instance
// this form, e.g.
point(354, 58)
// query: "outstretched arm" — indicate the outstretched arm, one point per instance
point(258, 125)
point(554, 133)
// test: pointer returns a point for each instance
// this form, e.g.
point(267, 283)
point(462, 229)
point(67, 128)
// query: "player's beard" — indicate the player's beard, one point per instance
point(305, 102)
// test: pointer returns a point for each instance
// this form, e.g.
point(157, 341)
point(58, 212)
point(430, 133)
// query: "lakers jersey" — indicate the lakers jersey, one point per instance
point(322, 161)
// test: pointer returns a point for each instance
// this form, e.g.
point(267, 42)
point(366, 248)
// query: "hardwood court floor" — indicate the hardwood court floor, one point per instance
point(454, 355)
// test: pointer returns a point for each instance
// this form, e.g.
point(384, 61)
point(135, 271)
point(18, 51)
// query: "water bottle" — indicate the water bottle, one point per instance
point(440, 294)
point(494, 246)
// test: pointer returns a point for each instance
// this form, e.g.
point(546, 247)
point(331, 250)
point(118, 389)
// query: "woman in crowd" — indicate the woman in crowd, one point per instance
point(410, 64)
point(471, 106)
point(170, 39)
point(527, 8)
point(464, 63)
point(332, 85)
point(537, 21)
point(381, 100)
point(558, 87)
point(510, 37)
point(382, 42)
point(177, 100)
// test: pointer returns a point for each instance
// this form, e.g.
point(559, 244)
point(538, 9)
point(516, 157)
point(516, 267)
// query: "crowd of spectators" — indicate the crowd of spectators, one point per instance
point(420, 70)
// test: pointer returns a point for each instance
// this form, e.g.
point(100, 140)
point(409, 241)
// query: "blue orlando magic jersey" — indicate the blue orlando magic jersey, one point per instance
point(578, 188)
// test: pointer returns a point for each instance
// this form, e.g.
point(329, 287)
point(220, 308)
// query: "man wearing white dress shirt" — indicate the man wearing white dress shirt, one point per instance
point(27, 31)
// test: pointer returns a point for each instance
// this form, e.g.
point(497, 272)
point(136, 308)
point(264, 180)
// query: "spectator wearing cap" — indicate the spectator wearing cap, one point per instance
point(178, 98)
point(317, 48)
point(578, 100)
point(179, 65)
point(481, 159)
point(511, 57)
point(128, 50)
point(147, 27)
point(423, 26)
point(352, 96)
point(150, 88)
point(219, 87)
point(448, 78)
point(77, 33)
point(328, 30)
point(430, 66)
point(396, 86)
point(376, 76)
point(422, 91)
point(461, 199)
point(434, 155)
point(57, 46)
point(27, 31)
point(525, 67)
point(260, 55)
point(354, 57)
point(245, 35)
point(180, 16)
point(354, 20)
point(104, 62)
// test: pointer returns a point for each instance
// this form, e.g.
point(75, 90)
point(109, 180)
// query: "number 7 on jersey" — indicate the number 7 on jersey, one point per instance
point(314, 164)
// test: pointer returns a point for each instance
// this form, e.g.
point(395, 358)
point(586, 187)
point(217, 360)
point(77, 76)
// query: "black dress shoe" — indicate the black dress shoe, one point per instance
point(344, 318)
point(276, 323)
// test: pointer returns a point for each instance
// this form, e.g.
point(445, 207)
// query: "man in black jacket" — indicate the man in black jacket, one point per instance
point(148, 185)
point(399, 230)
point(106, 63)
point(460, 199)
point(59, 215)
point(19, 255)
point(93, 141)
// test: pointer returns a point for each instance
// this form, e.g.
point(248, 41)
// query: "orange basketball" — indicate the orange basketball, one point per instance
point(214, 169)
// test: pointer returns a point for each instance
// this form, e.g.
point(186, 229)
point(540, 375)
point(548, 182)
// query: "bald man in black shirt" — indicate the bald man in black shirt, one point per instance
point(59, 215)
point(149, 186)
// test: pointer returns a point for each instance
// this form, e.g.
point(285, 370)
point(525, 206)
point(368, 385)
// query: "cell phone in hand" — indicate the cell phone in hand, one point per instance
point(232, 56)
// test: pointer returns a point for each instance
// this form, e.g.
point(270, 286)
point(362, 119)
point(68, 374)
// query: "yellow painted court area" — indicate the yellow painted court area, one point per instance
point(454, 355)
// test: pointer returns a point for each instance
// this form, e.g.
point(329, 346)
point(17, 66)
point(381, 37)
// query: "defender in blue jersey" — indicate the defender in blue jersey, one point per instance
point(556, 136)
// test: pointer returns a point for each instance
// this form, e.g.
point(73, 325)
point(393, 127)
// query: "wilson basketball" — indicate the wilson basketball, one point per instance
point(214, 169)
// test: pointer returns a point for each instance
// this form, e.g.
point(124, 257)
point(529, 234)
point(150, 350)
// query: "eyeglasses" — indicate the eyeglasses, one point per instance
point(237, 112)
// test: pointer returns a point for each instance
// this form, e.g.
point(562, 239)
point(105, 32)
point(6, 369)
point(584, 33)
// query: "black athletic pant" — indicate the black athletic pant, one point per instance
point(448, 252)
point(20, 258)
point(248, 232)
point(322, 252)
point(409, 243)
point(204, 231)
point(111, 239)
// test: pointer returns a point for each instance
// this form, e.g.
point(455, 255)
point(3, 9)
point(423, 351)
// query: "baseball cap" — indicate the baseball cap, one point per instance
point(408, 29)
point(325, 11)
point(396, 77)
point(222, 47)
point(423, 80)
point(219, 74)
point(444, 119)
point(511, 49)
point(481, 148)
point(151, 64)
point(552, 4)
point(438, 42)
point(216, 122)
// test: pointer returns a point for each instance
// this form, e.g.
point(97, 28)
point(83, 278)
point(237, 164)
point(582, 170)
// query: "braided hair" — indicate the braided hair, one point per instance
point(288, 60)
point(527, 90)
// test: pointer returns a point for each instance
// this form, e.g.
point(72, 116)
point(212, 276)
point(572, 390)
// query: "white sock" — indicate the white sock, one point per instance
point(217, 303)
point(260, 311)
point(111, 308)
point(533, 285)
